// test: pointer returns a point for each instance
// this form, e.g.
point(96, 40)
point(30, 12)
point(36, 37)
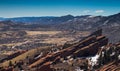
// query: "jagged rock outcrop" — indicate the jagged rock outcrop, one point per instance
point(111, 58)
point(84, 48)
point(111, 67)
point(89, 54)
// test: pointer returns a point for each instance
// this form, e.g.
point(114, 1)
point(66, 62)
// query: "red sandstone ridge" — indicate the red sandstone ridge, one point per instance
point(84, 48)
point(93, 53)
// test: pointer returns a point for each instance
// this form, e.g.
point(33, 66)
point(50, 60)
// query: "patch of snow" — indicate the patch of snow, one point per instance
point(105, 23)
point(38, 56)
point(102, 53)
point(115, 24)
point(71, 59)
point(108, 48)
point(69, 20)
point(64, 61)
point(13, 47)
point(94, 60)
point(68, 57)
point(119, 57)
point(92, 16)
point(113, 53)
point(78, 69)
point(102, 47)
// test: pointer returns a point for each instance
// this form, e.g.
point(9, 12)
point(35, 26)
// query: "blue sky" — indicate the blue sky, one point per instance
point(22, 8)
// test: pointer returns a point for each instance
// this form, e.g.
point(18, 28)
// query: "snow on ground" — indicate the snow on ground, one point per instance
point(93, 60)
point(113, 53)
point(39, 55)
point(119, 57)
point(78, 69)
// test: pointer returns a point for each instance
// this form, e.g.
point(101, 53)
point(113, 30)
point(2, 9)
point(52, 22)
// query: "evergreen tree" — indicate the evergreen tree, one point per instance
point(10, 63)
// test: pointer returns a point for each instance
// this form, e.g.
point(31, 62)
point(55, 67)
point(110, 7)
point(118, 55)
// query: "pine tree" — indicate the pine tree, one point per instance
point(10, 63)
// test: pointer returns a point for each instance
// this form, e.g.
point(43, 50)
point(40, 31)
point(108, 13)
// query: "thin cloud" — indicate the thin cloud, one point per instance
point(86, 11)
point(99, 11)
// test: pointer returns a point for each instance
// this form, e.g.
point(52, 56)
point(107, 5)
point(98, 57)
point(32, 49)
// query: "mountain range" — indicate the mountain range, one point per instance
point(69, 21)
point(109, 24)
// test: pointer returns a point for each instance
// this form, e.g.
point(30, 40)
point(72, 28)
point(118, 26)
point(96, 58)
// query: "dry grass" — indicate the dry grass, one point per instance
point(83, 33)
point(20, 57)
point(58, 41)
point(11, 44)
point(24, 55)
point(42, 32)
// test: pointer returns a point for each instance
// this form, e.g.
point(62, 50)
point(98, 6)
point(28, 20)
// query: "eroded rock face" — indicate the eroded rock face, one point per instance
point(84, 48)
point(112, 66)
point(111, 58)
point(91, 53)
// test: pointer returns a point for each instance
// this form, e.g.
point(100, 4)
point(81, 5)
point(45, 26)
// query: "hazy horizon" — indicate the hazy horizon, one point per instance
point(55, 16)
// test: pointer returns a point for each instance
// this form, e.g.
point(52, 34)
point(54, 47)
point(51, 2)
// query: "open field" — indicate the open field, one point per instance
point(42, 32)
point(58, 41)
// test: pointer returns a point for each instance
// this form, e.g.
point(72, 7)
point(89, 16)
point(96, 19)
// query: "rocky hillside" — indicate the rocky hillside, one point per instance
point(93, 52)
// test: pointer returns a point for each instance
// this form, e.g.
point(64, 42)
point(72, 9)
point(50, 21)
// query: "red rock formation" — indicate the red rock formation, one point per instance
point(45, 67)
point(64, 52)
point(89, 46)
point(110, 67)
point(91, 49)
point(8, 69)
point(13, 55)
